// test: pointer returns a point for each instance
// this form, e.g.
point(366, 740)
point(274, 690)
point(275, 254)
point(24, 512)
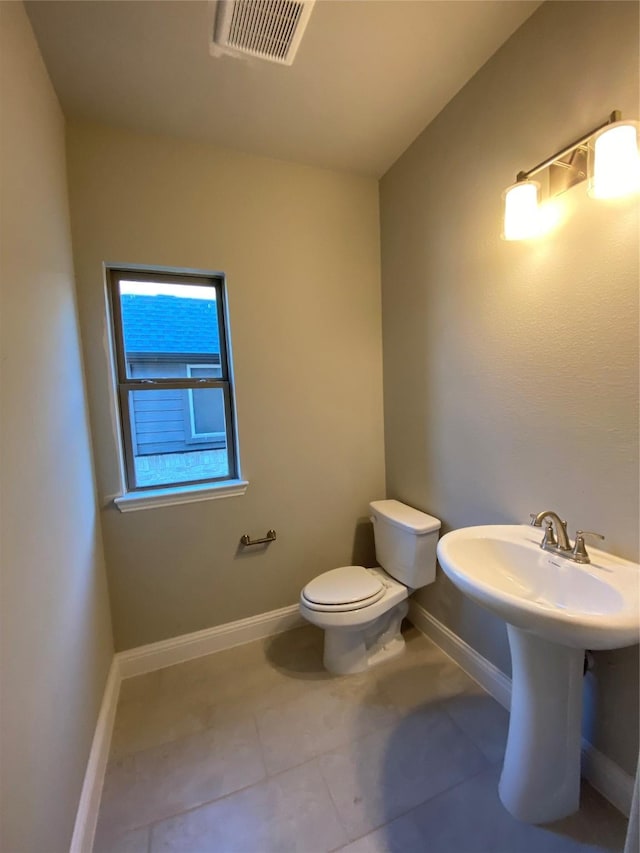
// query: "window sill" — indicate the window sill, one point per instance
point(152, 498)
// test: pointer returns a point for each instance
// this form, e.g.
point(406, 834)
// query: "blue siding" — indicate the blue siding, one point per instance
point(158, 421)
point(160, 418)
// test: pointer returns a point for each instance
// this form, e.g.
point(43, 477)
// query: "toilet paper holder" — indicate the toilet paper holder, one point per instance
point(247, 540)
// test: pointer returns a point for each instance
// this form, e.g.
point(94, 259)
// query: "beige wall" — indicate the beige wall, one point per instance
point(56, 637)
point(511, 369)
point(300, 248)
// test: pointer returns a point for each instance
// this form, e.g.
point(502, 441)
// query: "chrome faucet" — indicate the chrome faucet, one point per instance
point(560, 541)
point(555, 537)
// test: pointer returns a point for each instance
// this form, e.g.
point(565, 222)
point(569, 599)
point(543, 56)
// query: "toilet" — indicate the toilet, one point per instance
point(361, 609)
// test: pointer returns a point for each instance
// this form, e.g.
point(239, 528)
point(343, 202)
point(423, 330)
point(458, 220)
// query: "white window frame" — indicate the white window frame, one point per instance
point(136, 497)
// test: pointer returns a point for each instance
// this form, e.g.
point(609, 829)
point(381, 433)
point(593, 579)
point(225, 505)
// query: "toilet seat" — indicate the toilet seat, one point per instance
point(343, 589)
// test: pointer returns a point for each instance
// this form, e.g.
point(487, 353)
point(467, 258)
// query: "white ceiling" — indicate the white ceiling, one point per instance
point(368, 77)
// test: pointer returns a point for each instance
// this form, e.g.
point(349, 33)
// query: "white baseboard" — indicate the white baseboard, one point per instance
point(488, 676)
point(188, 646)
point(146, 659)
point(604, 774)
point(87, 814)
point(615, 784)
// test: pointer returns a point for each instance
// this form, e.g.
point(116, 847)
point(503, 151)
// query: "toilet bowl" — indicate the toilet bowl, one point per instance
point(361, 609)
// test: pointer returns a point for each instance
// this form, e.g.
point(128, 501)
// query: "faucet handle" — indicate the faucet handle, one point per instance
point(533, 516)
point(549, 539)
point(579, 552)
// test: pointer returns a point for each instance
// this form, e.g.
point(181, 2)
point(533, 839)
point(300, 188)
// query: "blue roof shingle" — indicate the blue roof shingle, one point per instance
point(169, 324)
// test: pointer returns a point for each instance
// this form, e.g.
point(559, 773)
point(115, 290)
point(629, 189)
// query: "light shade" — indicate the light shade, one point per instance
point(616, 161)
point(521, 213)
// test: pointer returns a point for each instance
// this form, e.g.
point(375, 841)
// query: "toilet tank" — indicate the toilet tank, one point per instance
point(406, 542)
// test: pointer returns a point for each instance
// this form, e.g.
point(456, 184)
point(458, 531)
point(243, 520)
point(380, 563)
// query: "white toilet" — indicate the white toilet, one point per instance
point(361, 609)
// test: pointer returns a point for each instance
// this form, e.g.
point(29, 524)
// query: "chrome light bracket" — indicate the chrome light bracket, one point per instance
point(566, 167)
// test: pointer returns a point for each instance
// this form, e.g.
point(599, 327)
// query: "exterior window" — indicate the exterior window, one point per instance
point(174, 383)
point(205, 424)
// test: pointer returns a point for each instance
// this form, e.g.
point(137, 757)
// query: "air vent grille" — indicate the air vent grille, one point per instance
point(267, 29)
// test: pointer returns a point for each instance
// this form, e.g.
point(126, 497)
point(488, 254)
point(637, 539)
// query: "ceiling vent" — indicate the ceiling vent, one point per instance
point(264, 29)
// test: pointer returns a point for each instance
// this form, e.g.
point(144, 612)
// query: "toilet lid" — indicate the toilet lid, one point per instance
point(346, 585)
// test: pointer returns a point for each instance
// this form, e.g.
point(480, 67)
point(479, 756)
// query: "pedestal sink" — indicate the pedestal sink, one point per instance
point(554, 609)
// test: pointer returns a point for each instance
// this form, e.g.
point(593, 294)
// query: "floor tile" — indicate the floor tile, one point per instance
point(163, 706)
point(297, 651)
point(389, 772)
point(153, 720)
point(291, 812)
point(159, 782)
point(138, 686)
point(399, 836)
point(133, 841)
point(295, 667)
point(470, 818)
point(217, 673)
point(403, 758)
point(483, 719)
point(343, 710)
point(423, 679)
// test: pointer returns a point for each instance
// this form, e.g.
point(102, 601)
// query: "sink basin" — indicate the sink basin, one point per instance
point(502, 567)
point(554, 609)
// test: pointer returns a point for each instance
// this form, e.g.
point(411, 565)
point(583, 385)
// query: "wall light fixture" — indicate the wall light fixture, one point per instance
point(608, 155)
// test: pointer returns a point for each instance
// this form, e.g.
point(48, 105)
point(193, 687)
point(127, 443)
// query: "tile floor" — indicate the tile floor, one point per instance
point(258, 750)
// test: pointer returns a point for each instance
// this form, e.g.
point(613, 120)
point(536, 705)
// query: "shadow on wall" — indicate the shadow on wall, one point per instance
point(615, 669)
point(364, 550)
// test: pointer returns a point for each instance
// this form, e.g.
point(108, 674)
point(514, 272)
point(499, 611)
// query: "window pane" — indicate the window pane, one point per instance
point(167, 327)
point(204, 371)
point(206, 413)
point(178, 435)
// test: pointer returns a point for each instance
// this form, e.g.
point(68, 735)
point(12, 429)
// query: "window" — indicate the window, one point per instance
point(203, 423)
point(174, 383)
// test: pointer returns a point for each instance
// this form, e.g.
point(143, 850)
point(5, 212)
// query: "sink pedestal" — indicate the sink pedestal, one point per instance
point(540, 779)
point(574, 607)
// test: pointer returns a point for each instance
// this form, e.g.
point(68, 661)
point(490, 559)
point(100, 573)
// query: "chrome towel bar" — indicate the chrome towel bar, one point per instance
point(247, 540)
